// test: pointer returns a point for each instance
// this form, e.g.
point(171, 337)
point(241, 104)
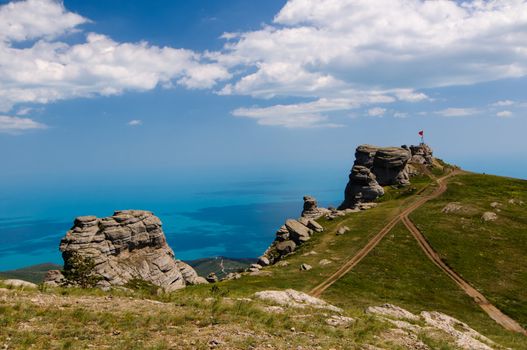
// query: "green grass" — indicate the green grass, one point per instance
point(398, 272)
point(490, 255)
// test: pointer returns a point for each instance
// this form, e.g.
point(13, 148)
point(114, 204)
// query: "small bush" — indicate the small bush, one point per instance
point(79, 272)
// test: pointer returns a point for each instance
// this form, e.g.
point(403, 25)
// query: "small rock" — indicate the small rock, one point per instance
point(489, 216)
point(212, 278)
point(324, 262)
point(342, 230)
point(256, 266)
point(339, 321)
point(14, 283)
point(282, 263)
point(310, 253)
point(495, 204)
point(305, 267)
point(451, 208)
point(263, 261)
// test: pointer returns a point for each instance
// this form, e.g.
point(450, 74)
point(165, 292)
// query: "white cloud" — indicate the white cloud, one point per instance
point(503, 103)
point(504, 114)
point(32, 19)
point(16, 125)
point(324, 48)
point(135, 122)
point(400, 115)
point(457, 112)
point(49, 69)
point(376, 112)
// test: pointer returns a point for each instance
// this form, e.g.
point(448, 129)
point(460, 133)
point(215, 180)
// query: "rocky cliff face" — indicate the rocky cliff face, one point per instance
point(375, 167)
point(128, 245)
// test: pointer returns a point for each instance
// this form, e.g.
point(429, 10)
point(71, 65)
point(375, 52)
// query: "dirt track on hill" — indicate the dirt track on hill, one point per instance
point(491, 310)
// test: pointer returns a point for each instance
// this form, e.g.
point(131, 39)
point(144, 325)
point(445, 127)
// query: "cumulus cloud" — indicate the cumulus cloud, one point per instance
point(50, 69)
point(324, 48)
point(504, 114)
point(135, 122)
point(16, 125)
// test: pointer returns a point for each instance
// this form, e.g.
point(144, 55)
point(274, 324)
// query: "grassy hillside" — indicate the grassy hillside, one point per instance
point(34, 273)
point(491, 255)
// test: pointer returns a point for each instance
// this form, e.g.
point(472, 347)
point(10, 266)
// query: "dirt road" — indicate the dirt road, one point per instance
point(491, 310)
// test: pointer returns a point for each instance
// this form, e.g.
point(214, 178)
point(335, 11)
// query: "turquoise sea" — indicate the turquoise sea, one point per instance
point(220, 212)
point(234, 215)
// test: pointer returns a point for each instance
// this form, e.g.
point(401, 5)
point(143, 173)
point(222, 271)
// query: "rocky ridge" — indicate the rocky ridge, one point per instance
point(128, 245)
point(375, 167)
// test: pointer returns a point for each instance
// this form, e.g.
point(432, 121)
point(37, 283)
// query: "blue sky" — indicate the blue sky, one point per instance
point(133, 89)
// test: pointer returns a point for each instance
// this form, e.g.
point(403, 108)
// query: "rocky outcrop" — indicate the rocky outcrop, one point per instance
point(295, 299)
point(422, 154)
point(128, 245)
point(311, 209)
point(294, 232)
point(375, 167)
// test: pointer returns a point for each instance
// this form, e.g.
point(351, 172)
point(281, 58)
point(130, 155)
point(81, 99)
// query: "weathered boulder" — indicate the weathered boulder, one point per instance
point(298, 232)
point(285, 247)
point(14, 283)
point(311, 209)
point(295, 299)
point(128, 245)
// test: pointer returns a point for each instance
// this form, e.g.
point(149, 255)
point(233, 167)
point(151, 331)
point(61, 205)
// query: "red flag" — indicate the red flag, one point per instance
point(421, 133)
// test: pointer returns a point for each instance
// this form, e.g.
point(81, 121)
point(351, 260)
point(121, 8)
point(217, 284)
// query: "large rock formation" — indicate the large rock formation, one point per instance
point(128, 245)
point(375, 167)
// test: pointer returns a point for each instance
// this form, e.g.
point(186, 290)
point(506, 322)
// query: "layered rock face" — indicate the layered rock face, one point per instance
point(375, 167)
point(422, 154)
point(128, 245)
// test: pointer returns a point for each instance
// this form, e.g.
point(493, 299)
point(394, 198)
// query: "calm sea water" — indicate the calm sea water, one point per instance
point(220, 213)
point(234, 216)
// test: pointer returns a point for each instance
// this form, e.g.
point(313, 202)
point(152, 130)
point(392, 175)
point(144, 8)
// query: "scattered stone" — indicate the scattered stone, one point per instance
point(325, 262)
point(298, 232)
point(312, 252)
point(515, 201)
point(263, 261)
point(128, 245)
point(342, 230)
point(451, 208)
point(305, 267)
point(466, 337)
point(296, 299)
point(14, 283)
point(392, 311)
point(232, 276)
point(495, 205)
point(212, 278)
point(285, 247)
point(339, 321)
point(489, 216)
point(53, 278)
point(315, 226)
point(404, 339)
point(282, 263)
